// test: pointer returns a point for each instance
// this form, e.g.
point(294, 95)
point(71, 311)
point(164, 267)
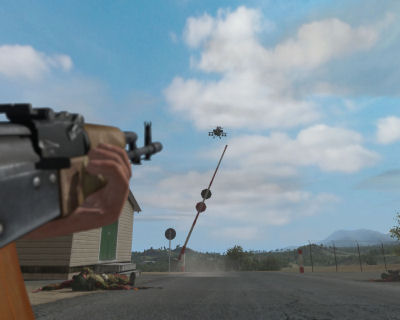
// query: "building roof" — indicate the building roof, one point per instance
point(133, 202)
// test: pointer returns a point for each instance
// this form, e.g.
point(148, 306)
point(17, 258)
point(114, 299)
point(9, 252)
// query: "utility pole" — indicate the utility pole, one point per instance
point(312, 263)
point(359, 256)
point(334, 254)
point(384, 258)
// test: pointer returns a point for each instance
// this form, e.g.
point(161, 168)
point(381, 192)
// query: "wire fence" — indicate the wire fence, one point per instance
point(317, 256)
point(350, 256)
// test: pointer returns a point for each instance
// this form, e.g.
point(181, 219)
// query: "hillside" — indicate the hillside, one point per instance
point(346, 238)
point(157, 260)
point(340, 247)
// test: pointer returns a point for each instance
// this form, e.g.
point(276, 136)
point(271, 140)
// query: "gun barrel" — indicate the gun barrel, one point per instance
point(135, 155)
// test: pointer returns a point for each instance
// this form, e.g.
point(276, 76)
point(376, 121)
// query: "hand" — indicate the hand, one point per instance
point(104, 206)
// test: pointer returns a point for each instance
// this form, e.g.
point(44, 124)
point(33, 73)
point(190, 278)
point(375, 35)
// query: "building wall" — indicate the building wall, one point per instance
point(124, 238)
point(49, 252)
point(85, 248)
point(86, 244)
point(78, 249)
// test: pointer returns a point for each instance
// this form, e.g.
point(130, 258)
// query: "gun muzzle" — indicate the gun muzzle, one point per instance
point(136, 154)
point(146, 151)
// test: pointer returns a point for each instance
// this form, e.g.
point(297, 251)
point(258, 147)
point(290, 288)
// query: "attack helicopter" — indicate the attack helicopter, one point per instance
point(217, 132)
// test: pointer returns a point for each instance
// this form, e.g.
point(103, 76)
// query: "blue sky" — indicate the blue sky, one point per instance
point(307, 90)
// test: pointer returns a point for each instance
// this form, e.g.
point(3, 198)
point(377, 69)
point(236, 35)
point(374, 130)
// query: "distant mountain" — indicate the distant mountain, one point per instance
point(346, 238)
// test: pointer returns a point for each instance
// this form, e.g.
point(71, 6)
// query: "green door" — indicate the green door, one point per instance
point(108, 244)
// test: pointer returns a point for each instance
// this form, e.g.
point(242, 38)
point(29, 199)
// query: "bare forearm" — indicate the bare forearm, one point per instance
point(51, 229)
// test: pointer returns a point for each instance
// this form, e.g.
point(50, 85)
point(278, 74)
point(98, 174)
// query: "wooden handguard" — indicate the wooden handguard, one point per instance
point(76, 184)
point(14, 301)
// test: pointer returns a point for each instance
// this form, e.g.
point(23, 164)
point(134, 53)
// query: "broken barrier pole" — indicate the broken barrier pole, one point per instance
point(200, 207)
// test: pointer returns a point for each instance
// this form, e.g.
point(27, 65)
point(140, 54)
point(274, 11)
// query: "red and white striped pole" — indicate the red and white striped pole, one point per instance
point(300, 260)
point(200, 207)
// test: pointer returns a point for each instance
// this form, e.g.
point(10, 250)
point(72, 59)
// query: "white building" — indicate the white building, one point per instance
point(61, 257)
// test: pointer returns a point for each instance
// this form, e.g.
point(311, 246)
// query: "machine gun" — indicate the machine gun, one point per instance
point(42, 164)
point(43, 176)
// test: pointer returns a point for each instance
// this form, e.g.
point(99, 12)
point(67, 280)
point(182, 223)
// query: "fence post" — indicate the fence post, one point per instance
point(312, 263)
point(384, 258)
point(334, 254)
point(183, 265)
point(359, 255)
point(300, 260)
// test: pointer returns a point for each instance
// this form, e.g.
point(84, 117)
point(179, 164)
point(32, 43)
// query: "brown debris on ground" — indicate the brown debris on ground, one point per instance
point(390, 276)
point(88, 280)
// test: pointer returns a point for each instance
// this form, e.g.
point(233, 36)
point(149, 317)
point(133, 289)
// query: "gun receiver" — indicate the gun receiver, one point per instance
point(43, 156)
point(59, 136)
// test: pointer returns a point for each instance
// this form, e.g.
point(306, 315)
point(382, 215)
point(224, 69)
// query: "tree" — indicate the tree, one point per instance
point(269, 263)
point(236, 256)
point(395, 231)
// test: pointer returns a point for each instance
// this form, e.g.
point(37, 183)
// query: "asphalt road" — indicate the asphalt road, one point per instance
point(245, 295)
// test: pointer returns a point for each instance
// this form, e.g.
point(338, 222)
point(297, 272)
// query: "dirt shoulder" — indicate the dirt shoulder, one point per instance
point(66, 293)
point(51, 296)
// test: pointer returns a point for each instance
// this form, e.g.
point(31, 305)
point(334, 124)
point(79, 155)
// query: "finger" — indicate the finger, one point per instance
point(93, 201)
point(85, 208)
point(103, 206)
point(111, 170)
point(121, 152)
point(113, 196)
point(102, 154)
point(107, 203)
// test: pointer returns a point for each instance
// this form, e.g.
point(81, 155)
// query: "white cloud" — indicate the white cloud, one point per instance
point(329, 148)
point(388, 180)
point(259, 182)
point(245, 195)
point(318, 42)
point(351, 105)
point(61, 61)
point(197, 30)
point(237, 101)
point(239, 233)
point(30, 76)
point(256, 87)
point(173, 37)
point(73, 94)
point(24, 62)
point(163, 217)
point(388, 130)
point(233, 44)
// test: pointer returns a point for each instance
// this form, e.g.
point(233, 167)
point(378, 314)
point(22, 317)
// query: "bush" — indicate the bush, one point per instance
point(370, 259)
point(270, 264)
